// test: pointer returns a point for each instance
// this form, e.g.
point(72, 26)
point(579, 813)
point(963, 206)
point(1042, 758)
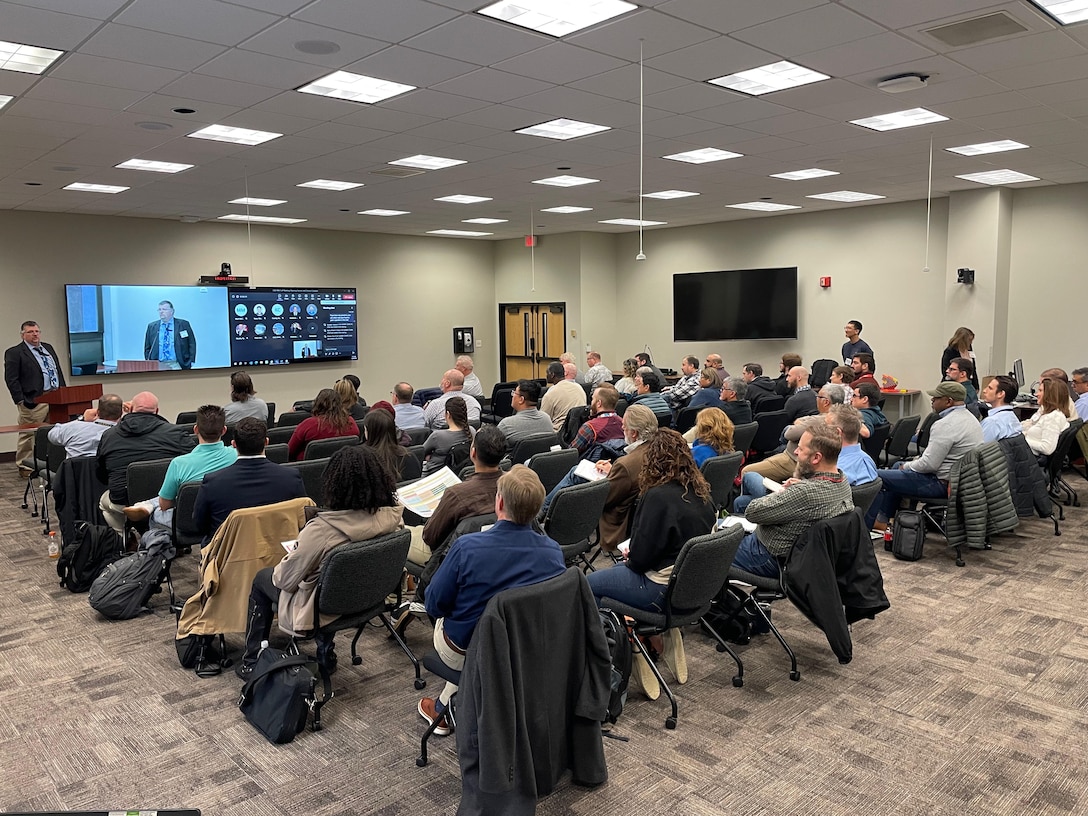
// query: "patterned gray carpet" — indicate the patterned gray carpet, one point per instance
point(967, 697)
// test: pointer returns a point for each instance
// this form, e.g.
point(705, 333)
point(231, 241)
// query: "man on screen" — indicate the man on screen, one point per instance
point(170, 340)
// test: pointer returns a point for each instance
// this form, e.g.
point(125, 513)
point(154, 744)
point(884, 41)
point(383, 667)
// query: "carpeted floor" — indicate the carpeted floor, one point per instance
point(968, 697)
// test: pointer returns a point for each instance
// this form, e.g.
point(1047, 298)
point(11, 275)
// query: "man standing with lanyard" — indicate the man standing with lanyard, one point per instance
point(31, 368)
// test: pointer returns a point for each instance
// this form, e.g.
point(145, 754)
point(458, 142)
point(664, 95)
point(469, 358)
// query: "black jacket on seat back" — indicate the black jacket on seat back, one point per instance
point(137, 438)
point(1027, 484)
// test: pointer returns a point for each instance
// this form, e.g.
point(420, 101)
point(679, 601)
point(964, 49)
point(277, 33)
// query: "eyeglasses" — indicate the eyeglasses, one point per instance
point(821, 396)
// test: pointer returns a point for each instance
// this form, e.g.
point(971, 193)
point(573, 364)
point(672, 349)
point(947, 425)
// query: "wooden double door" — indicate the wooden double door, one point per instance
point(533, 335)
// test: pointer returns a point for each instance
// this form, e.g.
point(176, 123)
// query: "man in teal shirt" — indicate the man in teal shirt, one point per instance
point(209, 455)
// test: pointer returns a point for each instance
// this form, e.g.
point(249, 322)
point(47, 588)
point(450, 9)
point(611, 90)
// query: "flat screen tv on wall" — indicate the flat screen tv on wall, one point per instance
point(735, 304)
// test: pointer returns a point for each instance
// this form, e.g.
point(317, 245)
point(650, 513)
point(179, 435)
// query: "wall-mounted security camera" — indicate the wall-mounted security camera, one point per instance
point(965, 276)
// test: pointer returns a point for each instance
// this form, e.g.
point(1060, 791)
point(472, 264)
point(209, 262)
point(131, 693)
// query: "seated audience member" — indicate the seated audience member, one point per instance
point(1000, 421)
point(527, 419)
point(1080, 386)
point(1042, 429)
point(563, 395)
point(360, 504)
point(759, 386)
point(713, 435)
point(674, 506)
point(209, 455)
point(567, 358)
point(1059, 374)
point(603, 425)
point(802, 402)
point(140, 435)
point(817, 490)
point(244, 401)
point(478, 567)
point(961, 370)
point(455, 429)
point(350, 399)
point(80, 437)
point(434, 413)
point(844, 375)
point(854, 345)
point(643, 359)
point(357, 384)
point(782, 385)
point(781, 466)
point(955, 433)
point(402, 435)
point(472, 385)
point(626, 384)
point(857, 466)
point(709, 393)
point(329, 419)
point(597, 372)
point(677, 396)
point(733, 400)
point(864, 366)
point(406, 415)
point(715, 361)
point(866, 397)
point(251, 481)
point(380, 434)
point(648, 393)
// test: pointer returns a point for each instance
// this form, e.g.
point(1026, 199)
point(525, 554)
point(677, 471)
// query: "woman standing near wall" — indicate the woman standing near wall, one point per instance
point(959, 345)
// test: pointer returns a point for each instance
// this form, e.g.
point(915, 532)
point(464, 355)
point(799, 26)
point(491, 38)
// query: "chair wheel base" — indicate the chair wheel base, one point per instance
point(795, 675)
point(356, 660)
point(960, 562)
point(421, 762)
point(738, 682)
point(670, 723)
point(420, 683)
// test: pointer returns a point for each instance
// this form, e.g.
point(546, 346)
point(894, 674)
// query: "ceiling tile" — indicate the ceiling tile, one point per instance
point(380, 19)
point(44, 28)
point(205, 20)
point(477, 39)
point(808, 31)
point(279, 41)
point(432, 103)
point(727, 17)
point(1024, 50)
point(411, 67)
point(658, 32)
point(80, 93)
point(221, 91)
point(160, 108)
point(865, 54)
point(624, 83)
point(491, 85)
point(560, 63)
point(916, 12)
point(261, 69)
point(711, 59)
point(272, 6)
point(95, 9)
point(149, 47)
point(113, 72)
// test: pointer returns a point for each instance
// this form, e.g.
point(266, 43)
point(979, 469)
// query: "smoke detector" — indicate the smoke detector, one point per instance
point(902, 83)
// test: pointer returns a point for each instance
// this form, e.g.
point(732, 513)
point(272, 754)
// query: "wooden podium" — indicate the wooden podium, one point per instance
point(64, 403)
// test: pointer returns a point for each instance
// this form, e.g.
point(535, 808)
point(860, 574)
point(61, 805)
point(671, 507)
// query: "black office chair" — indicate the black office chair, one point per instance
point(664, 420)
point(271, 421)
point(290, 418)
point(1058, 487)
point(277, 452)
point(551, 466)
point(874, 444)
point(865, 494)
point(743, 435)
point(721, 472)
point(501, 406)
point(183, 529)
point(524, 448)
point(277, 436)
point(186, 418)
point(573, 516)
point(312, 471)
point(38, 468)
point(145, 479)
point(410, 468)
point(324, 448)
point(821, 373)
point(899, 439)
point(700, 572)
point(768, 404)
point(685, 418)
point(54, 456)
point(354, 582)
point(768, 437)
point(921, 439)
point(417, 436)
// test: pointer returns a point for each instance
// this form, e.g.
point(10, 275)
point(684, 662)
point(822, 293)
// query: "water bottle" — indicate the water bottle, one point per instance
point(54, 545)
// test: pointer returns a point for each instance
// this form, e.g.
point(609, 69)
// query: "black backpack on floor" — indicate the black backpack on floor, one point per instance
point(124, 587)
point(82, 559)
point(620, 651)
point(279, 694)
point(908, 535)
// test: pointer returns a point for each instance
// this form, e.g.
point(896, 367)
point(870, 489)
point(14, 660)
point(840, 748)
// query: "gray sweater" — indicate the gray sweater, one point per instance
point(950, 438)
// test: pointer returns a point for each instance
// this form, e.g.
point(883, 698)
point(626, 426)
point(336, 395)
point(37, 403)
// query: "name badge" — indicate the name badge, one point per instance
point(183, 334)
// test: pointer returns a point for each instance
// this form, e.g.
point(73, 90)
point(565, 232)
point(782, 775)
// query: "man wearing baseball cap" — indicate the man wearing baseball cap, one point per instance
point(956, 432)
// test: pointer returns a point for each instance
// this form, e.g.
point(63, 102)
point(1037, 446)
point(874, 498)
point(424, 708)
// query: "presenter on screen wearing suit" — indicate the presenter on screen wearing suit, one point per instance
point(30, 369)
point(170, 339)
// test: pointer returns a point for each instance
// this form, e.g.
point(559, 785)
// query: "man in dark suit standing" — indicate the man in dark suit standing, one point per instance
point(250, 482)
point(170, 339)
point(30, 369)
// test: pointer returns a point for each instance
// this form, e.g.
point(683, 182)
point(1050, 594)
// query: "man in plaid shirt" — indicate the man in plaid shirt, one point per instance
point(604, 423)
point(679, 395)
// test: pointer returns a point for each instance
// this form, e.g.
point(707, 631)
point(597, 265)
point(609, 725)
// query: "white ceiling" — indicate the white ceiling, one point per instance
point(130, 63)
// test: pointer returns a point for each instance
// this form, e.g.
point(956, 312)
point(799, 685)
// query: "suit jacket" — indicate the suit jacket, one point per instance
point(622, 493)
point(246, 483)
point(184, 342)
point(23, 374)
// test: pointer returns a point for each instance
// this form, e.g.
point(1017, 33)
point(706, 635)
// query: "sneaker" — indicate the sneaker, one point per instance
point(428, 710)
point(675, 657)
point(640, 668)
point(139, 511)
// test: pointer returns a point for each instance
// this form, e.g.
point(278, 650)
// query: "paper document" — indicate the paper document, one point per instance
point(588, 471)
point(624, 547)
point(422, 497)
point(733, 521)
point(772, 486)
point(291, 545)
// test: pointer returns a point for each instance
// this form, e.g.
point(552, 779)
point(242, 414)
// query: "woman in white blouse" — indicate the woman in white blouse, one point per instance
point(1044, 427)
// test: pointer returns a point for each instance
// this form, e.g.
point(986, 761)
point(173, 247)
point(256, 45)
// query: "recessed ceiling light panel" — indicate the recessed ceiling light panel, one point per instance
point(485, 221)
point(632, 222)
point(26, 59)
point(703, 155)
point(557, 17)
point(668, 194)
point(567, 210)
point(563, 129)
point(982, 148)
point(152, 166)
point(845, 196)
point(763, 206)
point(774, 77)
point(234, 135)
point(384, 213)
point(1064, 11)
point(464, 199)
point(428, 162)
point(566, 181)
point(258, 202)
point(95, 188)
point(900, 119)
point(994, 177)
point(355, 88)
point(459, 233)
point(801, 175)
point(330, 184)
point(261, 219)
point(5, 99)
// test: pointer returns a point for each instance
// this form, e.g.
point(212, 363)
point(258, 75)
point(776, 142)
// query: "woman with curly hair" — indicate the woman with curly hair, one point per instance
point(626, 384)
point(360, 501)
point(329, 418)
point(713, 435)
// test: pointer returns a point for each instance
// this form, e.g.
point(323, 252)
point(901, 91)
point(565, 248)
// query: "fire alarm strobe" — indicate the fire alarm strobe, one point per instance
point(825, 282)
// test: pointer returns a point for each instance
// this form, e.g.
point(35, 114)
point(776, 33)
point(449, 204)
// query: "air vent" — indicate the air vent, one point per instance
point(977, 30)
point(397, 172)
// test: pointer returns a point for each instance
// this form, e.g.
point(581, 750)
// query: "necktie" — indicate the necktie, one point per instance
point(167, 351)
point(50, 371)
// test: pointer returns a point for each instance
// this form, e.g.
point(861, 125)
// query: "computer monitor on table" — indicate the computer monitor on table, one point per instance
point(1018, 371)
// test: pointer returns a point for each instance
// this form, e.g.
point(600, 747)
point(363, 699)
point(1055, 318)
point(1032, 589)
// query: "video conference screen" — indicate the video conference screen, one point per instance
point(128, 329)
